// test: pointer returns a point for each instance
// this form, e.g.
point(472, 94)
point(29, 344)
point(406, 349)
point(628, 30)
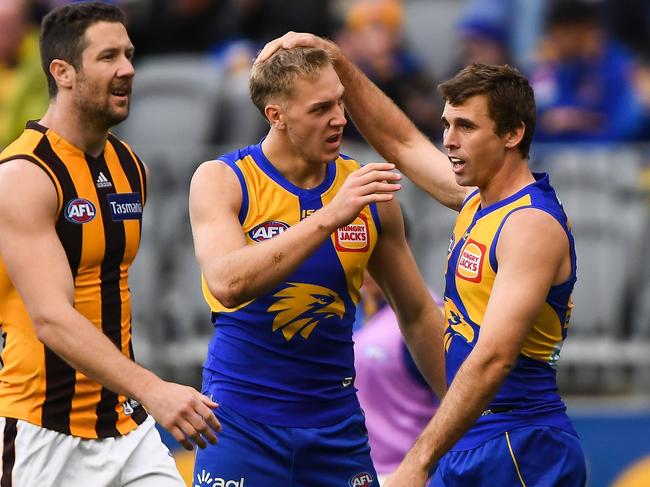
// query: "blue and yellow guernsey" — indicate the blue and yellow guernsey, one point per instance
point(286, 358)
point(529, 394)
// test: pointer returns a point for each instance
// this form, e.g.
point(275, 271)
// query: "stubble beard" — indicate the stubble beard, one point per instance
point(98, 113)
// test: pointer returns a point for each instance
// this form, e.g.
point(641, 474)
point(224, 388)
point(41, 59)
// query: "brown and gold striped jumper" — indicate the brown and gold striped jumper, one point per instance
point(98, 222)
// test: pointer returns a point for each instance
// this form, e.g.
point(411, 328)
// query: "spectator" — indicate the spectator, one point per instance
point(202, 25)
point(583, 80)
point(483, 32)
point(642, 92)
point(23, 89)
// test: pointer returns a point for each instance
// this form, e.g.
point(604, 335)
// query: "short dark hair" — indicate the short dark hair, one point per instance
point(63, 31)
point(276, 75)
point(510, 97)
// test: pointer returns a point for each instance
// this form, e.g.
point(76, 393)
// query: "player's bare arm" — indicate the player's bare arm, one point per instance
point(533, 255)
point(384, 125)
point(236, 272)
point(394, 269)
point(38, 267)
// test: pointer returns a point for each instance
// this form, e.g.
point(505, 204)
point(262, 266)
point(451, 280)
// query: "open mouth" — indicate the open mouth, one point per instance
point(121, 92)
point(456, 162)
point(334, 139)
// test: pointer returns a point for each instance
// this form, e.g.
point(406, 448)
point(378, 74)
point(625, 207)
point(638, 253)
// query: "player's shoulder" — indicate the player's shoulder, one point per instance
point(347, 163)
point(530, 227)
point(18, 168)
point(216, 171)
point(16, 196)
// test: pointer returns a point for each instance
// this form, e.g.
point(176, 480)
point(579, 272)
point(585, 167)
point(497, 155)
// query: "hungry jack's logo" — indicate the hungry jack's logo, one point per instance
point(470, 261)
point(353, 237)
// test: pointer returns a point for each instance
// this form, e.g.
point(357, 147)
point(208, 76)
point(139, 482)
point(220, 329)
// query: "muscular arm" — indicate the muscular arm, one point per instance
point(532, 253)
point(38, 267)
point(421, 322)
point(384, 125)
point(236, 272)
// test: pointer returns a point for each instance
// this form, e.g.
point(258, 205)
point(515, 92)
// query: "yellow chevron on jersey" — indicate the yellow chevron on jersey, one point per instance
point(474, 271)
point(276, 356)
point(269, 209)
point(528, 394)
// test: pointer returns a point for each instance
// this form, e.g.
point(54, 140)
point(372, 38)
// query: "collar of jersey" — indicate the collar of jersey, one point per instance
point(541, 182)
point(57, 139)
point(270, 170)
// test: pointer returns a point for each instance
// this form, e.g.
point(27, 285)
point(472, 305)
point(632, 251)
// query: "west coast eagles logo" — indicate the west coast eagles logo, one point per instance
point(302, 306)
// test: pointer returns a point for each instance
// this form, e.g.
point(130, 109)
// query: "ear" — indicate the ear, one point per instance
point(276, 117)
point(63, 73)
point(513, 138)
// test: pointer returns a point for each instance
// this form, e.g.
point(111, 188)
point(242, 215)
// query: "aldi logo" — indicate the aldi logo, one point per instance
point(267, 230)
point(470, 261)
point(354, 237)
point(80, 210)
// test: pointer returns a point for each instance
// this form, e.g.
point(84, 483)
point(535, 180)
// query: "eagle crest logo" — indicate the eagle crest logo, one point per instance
point(457, 325)
point(302, 306)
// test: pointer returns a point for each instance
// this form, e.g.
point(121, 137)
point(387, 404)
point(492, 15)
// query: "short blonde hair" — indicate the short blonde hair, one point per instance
point(275, 76)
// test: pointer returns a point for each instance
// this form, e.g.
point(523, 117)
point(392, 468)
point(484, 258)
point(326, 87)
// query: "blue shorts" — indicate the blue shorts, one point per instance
point(530, 456)
point(252, 454)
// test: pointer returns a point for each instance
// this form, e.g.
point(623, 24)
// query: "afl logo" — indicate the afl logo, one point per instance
point(267, 230)
point(361, 480)
point(80, 211)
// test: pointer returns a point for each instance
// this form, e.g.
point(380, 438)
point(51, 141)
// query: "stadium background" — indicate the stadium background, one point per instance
point(191, 104)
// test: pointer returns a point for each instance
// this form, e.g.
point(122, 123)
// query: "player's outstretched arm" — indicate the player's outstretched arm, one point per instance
point(533, 255)
point(394, 269)
point(383, 124)
point(38, 267)
point(235, 272)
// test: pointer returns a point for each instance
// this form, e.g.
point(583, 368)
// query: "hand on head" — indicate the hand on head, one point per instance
point(295, 39)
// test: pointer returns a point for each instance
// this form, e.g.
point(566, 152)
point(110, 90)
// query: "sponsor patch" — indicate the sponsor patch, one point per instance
point(205, 479)
point(80, 210)
point(267, 230)
point(470, 261)
point(362, 479)
point(354, 237)
point(125, 206)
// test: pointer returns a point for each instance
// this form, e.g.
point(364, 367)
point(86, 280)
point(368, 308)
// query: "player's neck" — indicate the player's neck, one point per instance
point(70, 125)
point(511, 178)
point(291, 164)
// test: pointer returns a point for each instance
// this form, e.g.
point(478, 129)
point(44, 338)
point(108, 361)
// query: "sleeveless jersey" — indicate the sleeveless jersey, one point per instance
point(98, 220)
point(286, 358)
point(529, 393)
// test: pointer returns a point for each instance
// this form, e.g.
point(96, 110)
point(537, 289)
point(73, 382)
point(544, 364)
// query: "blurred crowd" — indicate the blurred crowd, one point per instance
point(589, 60)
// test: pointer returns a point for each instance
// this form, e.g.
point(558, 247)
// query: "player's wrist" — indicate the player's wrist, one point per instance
point(326, 220)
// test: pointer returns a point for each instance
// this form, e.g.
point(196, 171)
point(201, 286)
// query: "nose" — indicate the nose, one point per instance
point(126, 69)
point(449, 139)
point(339, 119)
